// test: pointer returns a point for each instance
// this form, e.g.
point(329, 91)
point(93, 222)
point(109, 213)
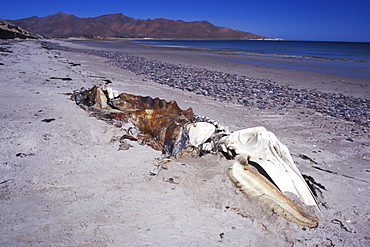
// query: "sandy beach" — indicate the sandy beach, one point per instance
point(63, 181)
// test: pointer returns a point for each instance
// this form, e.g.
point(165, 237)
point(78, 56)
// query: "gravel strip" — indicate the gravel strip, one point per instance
point(247, 91)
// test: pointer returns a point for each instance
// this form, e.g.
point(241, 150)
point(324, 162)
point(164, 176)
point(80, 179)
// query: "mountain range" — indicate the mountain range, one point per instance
point(61, 24)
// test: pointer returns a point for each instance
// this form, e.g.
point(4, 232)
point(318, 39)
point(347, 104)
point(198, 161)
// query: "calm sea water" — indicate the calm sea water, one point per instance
point(339, 58)
point(330, 50)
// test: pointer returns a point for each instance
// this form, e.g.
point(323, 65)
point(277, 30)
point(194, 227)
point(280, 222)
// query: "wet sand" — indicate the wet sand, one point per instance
point(64, 182)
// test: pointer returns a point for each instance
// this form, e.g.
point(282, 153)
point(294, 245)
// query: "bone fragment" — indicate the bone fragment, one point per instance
point(200, 132)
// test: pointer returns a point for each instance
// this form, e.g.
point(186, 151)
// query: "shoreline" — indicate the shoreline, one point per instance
point(243, 90)
point(240, 52)
point(351, 68)
point(63, 181)
point(228, 63)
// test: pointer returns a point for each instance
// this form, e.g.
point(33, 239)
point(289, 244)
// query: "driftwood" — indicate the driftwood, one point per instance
point(261, 166)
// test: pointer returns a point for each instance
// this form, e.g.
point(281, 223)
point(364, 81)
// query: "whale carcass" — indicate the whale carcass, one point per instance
point(261, 166)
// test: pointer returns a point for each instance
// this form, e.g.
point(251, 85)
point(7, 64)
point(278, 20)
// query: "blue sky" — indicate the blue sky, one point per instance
point(323, 20)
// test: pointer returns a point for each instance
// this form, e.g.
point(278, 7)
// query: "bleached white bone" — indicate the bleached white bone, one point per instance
point(112, 93)
point(200, 132)
point(262, 147)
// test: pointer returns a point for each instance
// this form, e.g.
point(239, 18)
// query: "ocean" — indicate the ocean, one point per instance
point(339, 58)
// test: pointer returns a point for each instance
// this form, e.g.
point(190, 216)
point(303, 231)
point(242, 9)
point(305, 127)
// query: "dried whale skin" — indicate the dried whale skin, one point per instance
point(261, 166)
point(159, 123)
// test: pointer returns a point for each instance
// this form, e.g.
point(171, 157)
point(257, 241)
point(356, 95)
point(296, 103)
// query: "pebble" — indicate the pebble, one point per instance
point(247, 91)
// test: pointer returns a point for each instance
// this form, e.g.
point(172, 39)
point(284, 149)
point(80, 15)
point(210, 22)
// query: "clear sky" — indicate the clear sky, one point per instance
point(321, 20)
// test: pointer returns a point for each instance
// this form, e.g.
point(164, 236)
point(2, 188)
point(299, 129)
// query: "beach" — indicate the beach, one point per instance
point(64, 181)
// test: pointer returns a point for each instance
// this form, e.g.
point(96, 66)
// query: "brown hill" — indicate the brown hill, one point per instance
point(62, 24)
point(11, 31)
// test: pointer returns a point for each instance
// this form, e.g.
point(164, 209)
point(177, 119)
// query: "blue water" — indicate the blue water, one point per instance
point(330, 50)
point(339, 58)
